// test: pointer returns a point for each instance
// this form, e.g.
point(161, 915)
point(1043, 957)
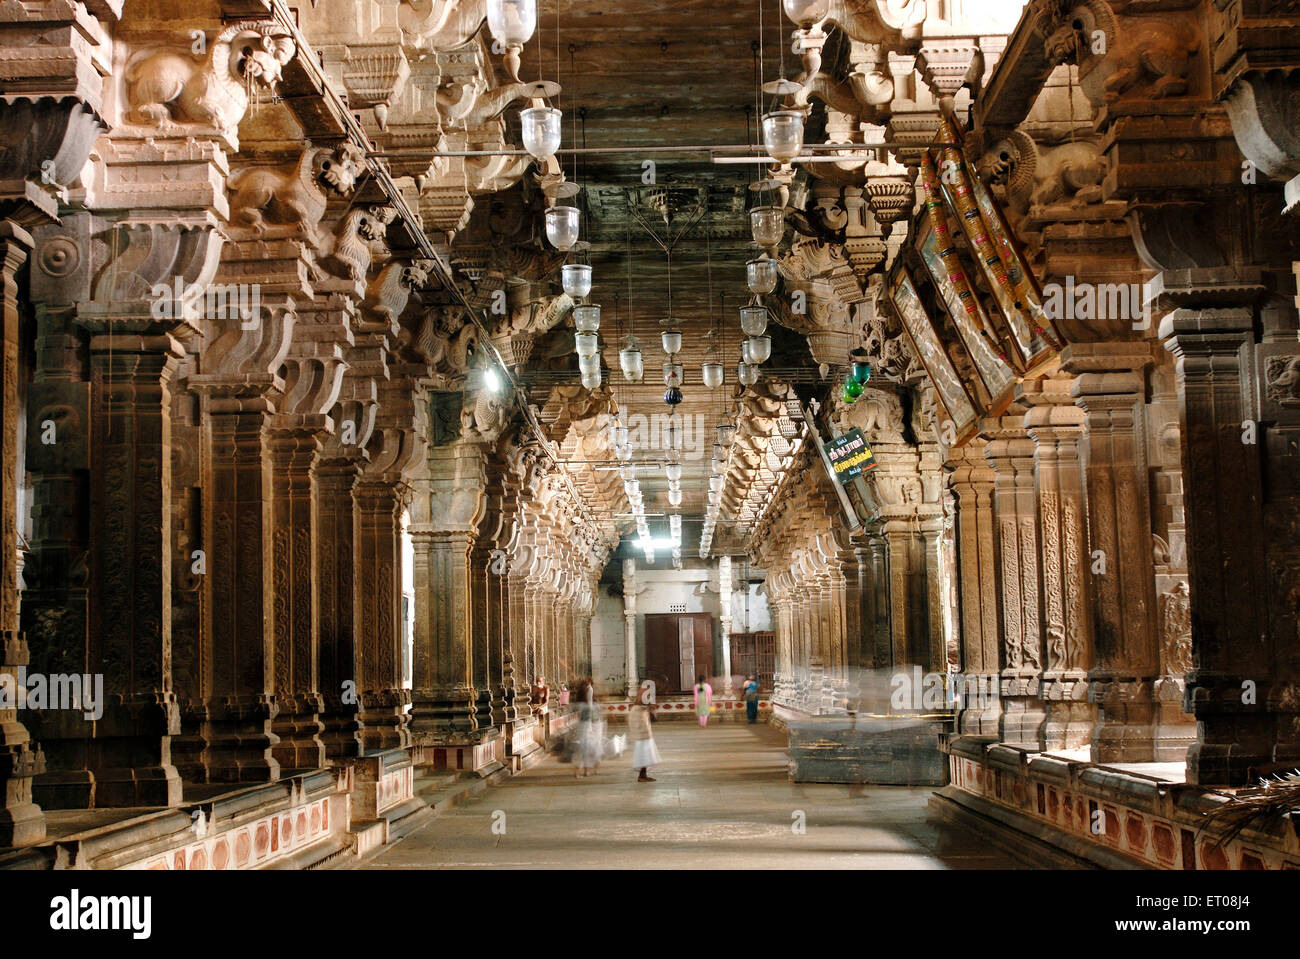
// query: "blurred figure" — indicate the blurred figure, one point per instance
point(538, 693)
point(590, 739)
point(640, 733)
point(751, 691)
point(703, 700)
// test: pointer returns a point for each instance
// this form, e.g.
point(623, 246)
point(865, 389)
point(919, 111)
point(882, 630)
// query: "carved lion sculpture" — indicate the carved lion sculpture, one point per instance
point(1035, 177)
point(1160, 50)
point(346, 254)
point(266, 196)
point(167, 86)
point(389, 292)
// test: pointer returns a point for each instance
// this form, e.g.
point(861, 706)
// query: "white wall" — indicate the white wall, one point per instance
point(658, 591)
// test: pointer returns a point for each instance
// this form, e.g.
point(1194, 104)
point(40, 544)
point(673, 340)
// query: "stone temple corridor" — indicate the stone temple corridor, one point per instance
point(722, 799)
point(869, 430)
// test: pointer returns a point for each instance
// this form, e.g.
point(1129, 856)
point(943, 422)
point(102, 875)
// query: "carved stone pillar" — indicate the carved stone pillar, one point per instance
point(1055, 425)
point(629, 629)
point(972, 483)
point(132, 372)
point(21, 820)
point(336, 477)
point(379, 501)
point(724, 622)
point(293, 448)
point(445, 514)
point(1245, 668)
point(1010, 452)
point(1110, 389)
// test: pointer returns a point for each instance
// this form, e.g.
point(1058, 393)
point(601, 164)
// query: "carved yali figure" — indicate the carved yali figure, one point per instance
point(166, 86)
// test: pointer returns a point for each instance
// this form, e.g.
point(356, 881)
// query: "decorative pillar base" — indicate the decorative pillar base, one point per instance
point(299, 727)
point(240, 741)
point(384, 719)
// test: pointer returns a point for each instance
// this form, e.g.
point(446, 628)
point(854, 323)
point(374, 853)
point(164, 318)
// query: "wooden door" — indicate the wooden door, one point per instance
point(678, 647)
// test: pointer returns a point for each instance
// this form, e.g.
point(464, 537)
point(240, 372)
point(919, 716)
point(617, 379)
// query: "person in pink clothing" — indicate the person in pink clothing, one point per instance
point(703, 700)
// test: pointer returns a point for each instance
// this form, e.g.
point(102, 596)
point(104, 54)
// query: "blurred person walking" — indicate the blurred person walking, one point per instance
point(590, 739)
point(640, 733)
point(703, 700)
point(751, 699)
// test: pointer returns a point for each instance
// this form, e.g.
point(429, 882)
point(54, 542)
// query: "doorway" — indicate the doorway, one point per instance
point(678, 647)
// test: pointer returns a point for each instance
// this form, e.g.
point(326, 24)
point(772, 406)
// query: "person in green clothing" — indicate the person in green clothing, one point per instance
point(703, 700)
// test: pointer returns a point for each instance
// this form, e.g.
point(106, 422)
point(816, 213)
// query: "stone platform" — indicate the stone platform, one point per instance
point(887, 751)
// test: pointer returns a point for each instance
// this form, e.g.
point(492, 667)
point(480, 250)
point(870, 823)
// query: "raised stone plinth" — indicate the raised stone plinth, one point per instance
point(889, 751)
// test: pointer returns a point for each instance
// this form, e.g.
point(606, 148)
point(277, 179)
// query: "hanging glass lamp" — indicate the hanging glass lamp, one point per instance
point(753, 320)
point(586, 319)
point(589, 364)
point(672, 396)
point(671, 341)
point(767, 224)
point(631, 362)
point(575, 278)
point(807, 12)
point(747, 373)
point(674, 497)
point(562, 227)
point(761, 275)
point(783, 134)
point(540, 128)
point(592, 380)
point(513, 22)
point(760, 348)
point(673, 471)
point(713, 374)
point(587, 343)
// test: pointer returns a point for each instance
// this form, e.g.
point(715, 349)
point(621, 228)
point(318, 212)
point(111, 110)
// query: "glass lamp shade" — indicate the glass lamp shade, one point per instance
point(715, 484)
point(675, 523)
point(620, 435)
point(589, 364)
point(767, 224)
point(631, 361)
point(623, 453)
point(715, 498)
point(861, 371)
point(576, 280)
point(587, 343)
point(540, 127)
point(672, 341)
point(592, 380)
point(674, 497)
point(806, 12)
point(760, 348)
point(562, 226)
point(726, 433)
point(747, 373)
point(673, 471)
point(761, 275)
point(672, 396)
point(628, 473)
point(753, 320)
point(783, 134)
point(713, 375)
point(586, 318)
point(852, 388)
point(849, 397)
point(513, 22)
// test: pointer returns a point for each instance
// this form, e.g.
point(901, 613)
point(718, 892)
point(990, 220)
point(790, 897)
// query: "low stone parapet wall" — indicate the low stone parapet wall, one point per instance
point(1102, 814)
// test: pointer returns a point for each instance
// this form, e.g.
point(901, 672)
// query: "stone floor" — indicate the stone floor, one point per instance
point(721, 801)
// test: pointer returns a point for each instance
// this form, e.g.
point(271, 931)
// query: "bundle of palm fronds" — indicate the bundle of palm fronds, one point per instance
point(1271, 798)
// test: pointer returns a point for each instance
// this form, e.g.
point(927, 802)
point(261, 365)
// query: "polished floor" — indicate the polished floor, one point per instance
point(721, 801)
